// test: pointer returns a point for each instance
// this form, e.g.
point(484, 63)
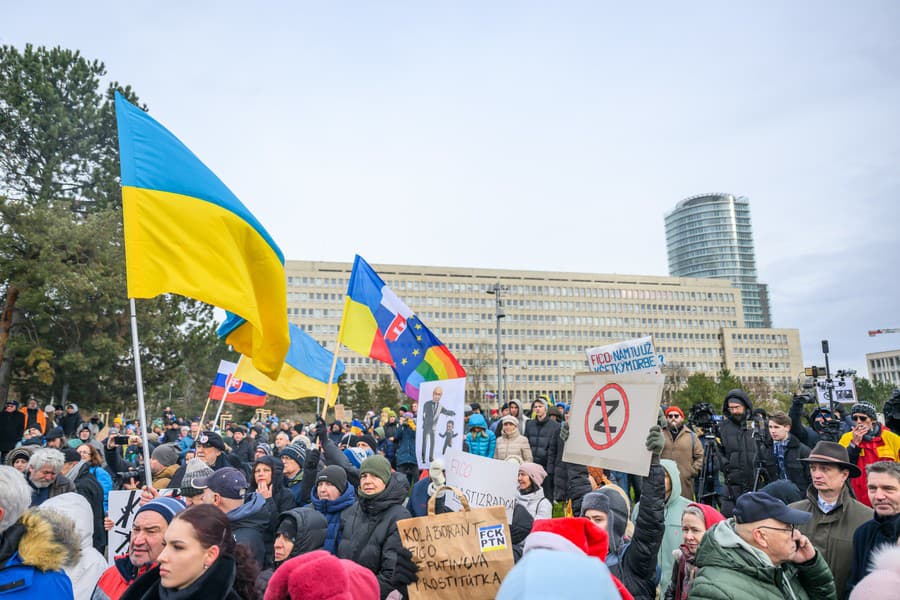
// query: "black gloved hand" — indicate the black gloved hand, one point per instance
point(404, 569)
point(312, 460)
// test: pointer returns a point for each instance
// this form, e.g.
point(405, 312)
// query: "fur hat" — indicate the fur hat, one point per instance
point(884, 578)
point(319, 575)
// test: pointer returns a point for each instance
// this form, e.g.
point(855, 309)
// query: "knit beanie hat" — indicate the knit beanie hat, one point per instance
point(335, 475)
point(535, 471)
point(295, 452)
point(367, 440)
point(319, 575)
point(864, 408)
point(167, 506)
point(195, 469)
point(509, 419)
point(166, 454)
point(378, 466)
point(266, 448)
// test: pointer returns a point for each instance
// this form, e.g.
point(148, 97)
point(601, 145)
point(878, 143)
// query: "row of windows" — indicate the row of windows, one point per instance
point(769, 338)
point(887, 361)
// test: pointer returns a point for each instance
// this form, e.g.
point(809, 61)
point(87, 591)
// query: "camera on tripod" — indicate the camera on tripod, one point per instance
point(703, 416)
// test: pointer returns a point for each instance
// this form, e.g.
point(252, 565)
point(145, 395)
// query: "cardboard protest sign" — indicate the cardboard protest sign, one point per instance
point(610, 418)
point(844, 392)
point(339, 412)
point(631, 356)
point(439, 423)
point(122, 506)
point(484, 481)
point(462, 554)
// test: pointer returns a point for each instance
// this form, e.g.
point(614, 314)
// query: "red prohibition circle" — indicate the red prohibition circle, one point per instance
point(588, 421)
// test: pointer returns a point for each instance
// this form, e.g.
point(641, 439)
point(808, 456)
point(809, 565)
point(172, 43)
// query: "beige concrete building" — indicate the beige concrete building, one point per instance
point(550, 318)
point(884, 366)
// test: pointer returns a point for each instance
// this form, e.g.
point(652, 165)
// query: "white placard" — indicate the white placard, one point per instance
point(844, 392)
point(122, 506)
point(610, 418)
point(631, 356)
point(485, 481)
point(439, 423)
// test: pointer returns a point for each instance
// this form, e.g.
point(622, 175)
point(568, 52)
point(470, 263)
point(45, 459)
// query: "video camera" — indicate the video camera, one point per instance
point(125, 476)
point(703, 415)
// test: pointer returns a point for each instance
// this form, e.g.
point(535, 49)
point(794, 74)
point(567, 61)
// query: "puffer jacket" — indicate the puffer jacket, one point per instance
point(33, 553)
point(513, 444)
point(570, 481)
point(311, 529)
point(672, 536)
point(282, 499)
point(118, 577)
point(543, 437)
point(832, 534)
point(405, 445)
point(251, 524)
point(484, 443)
point(369, 534)
point(737, 452)
point(87, 570)
point(731, 569)
point(536, 503)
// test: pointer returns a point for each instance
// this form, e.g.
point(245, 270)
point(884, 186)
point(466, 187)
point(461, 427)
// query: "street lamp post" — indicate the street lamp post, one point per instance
point(497, 290)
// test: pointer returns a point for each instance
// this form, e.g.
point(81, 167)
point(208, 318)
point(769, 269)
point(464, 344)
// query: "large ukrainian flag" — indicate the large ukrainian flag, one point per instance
point(187, 233)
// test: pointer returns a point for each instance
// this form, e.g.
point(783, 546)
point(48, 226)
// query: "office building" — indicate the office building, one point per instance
point(884, 366)
point(711, 236)
point(550, 319)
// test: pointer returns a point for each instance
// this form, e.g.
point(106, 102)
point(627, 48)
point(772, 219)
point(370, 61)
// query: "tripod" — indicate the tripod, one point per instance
point(706, 483)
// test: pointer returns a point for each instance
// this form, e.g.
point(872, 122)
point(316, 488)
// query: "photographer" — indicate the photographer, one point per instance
point(737, 450)
point(892, 412)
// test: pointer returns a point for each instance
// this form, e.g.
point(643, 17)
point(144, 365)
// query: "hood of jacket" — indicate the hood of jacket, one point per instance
point(274, 463)
point(477, 420)
point(46, 540)
point(78, 509)
point(311, 529)
point(250, 512)
point(737, 395)
point(393, 494)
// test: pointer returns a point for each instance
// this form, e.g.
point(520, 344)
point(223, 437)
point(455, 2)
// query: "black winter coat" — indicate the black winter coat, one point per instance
point(282, 499)
point(737, 457)
point(870, 536)
point(12, 428)
point(69, 423)
point(543, 437)
point(88, 486)
point(216, 582)
point(636, 565)
point(369, 534)
point(245, 450)
point(570, 481)
point(797, 472)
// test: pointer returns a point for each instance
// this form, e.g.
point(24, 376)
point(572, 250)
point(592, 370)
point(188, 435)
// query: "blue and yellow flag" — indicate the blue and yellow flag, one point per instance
point(186, 233)
point(307, 367)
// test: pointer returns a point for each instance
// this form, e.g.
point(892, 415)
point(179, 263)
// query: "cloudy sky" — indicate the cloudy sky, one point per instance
point(537, 135)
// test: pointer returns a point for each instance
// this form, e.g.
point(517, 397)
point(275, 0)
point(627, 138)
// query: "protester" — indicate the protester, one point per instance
point(211, 449)
point(672, 534)
point(331, 497)
point(194, 469)
point(164, 464)
point(405, 442)
point(427, 487)
point(145, 543)
point(480, 440)
point(369, 533)
point(738, 449)
point(884, 528)
point(529, 492)
point(249, 516)
point(55, 438)
point(515, 410)
point(781, 453)
point(35, 547)
point(869, 442)
point(760, 554)
point(91, 564)
point(34, 416)
point(543, 437)
point(292, 459)
point(71, 420)
point(244, 447)
point(299, 531)
point(883, 580)
point(12, 427)
point(79, 472)
point(571, 481)
point(94, 459)
point(320, 576)
point(511, 442)
point(200, 561)
point(585, 576)
point(45, 475)
point(836, 515)
point(695, 521)
point(684, 447)
point(18, 458)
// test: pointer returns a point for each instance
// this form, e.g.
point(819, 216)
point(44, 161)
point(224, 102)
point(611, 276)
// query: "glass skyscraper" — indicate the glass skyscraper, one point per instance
point(711, 236)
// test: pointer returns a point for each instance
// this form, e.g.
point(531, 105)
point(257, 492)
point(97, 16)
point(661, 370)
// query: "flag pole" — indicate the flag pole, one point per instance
point(203, 414)
point(222, 403)
point(142, 414)
point(328, 392)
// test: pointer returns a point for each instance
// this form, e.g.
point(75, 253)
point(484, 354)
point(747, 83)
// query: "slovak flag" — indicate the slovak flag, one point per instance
point(239, 392)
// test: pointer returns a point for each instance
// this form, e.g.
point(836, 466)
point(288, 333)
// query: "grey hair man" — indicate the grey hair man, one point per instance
point(44, 474)
point(884, 493)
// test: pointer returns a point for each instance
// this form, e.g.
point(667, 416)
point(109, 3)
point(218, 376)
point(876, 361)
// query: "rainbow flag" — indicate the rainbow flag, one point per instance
point(186, 233)
point(376, 323)
point(305, 372)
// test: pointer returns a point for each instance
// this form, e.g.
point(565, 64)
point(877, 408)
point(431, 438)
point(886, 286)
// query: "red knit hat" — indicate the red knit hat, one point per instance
point(320, 576)
point(710, 515)
point(675, 409)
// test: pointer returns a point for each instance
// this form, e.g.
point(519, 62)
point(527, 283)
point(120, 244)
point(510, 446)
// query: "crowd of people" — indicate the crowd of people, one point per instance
point(285, 509)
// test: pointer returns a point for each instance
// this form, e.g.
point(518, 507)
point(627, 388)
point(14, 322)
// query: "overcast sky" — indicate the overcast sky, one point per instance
point(537, 135)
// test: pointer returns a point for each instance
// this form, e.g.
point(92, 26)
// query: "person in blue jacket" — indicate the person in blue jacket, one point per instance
point(480, 440)
point(34, 545)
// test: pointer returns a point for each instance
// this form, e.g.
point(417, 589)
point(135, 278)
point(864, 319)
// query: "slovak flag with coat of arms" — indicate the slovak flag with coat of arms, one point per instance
point(238, 391)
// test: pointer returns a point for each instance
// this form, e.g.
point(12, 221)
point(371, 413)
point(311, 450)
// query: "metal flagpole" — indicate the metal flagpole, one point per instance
point(142, 415)
point(222, 403)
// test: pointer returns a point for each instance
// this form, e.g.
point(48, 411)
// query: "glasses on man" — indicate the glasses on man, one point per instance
point(790, 530)
point(860, 418)
point(672, 416)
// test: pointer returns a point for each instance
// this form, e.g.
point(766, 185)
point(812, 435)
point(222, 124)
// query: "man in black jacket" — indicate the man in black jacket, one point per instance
point(884, 528)
point(737, 452)
point(543, 437)
point(12, 428)
point(781, 453)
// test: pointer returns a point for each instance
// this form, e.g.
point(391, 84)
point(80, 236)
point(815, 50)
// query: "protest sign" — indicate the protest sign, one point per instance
point(439, 423)
point(484, 481)
point(631, 356)
point(844, 392)
point(464, 554)
point(122, 506)
point(610, 418)
point(339, 412)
